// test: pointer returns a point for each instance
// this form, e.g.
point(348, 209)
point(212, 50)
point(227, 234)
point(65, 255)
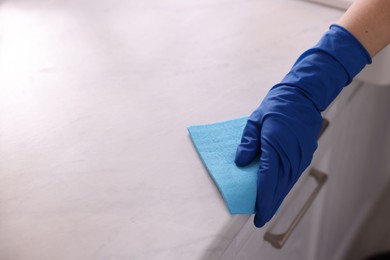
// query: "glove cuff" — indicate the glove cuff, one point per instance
point(323, 71)
point(341, 45)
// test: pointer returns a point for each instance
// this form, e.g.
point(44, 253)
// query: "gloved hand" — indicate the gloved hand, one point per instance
point(284, 128)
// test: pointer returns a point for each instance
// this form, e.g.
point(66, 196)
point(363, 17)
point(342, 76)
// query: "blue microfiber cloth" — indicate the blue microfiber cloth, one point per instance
point(217, 144)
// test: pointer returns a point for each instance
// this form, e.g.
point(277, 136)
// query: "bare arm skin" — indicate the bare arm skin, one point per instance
point(369, 22)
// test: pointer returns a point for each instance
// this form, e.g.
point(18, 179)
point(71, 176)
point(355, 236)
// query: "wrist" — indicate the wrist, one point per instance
point(321, 72)
point(339, 43)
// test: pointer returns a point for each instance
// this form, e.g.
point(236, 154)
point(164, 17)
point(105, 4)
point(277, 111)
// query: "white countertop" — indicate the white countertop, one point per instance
point(95, 98)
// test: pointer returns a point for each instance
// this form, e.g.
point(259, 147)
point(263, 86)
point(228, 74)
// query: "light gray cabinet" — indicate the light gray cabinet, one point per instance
point(352, 153)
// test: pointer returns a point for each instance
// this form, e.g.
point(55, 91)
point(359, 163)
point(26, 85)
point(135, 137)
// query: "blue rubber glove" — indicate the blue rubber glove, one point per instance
point(285, 127)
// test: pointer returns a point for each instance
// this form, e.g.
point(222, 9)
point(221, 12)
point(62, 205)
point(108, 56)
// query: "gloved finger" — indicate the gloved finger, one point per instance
point(281, 192)
point(267, 182)
point(286, 178)
point(249, 147)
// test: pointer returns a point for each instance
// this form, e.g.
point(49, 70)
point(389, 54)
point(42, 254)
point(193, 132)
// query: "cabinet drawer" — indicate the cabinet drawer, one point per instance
point(350, 151)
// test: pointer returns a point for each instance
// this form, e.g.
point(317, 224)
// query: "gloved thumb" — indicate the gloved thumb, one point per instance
point(249, 147)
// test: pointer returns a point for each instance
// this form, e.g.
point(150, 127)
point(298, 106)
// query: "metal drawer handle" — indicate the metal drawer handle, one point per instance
point(325, 124)
point(278, 240)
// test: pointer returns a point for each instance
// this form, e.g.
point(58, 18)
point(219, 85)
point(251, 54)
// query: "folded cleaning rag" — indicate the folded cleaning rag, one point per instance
point(217, 144)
